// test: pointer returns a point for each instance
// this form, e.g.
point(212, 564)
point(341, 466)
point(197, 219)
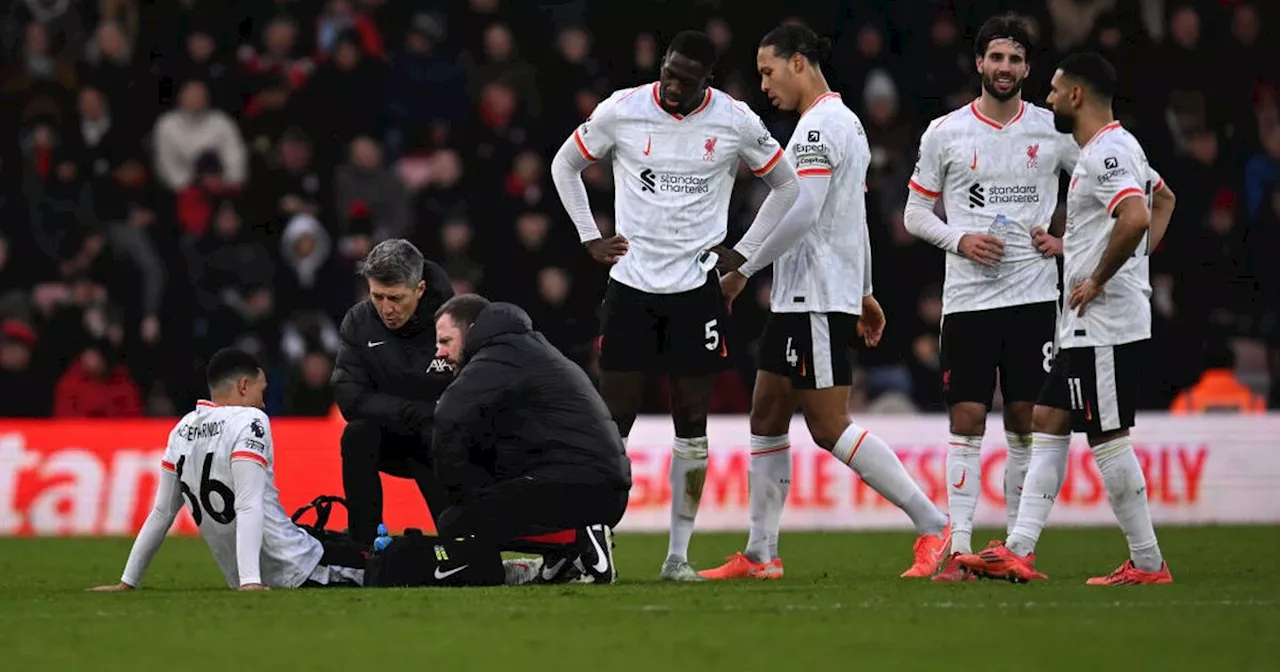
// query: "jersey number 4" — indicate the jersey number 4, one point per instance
point(208, 486)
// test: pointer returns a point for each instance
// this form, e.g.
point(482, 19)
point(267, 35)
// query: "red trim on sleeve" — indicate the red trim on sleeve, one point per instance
point(1124, 193)
point(915, 186)
point(764, 170)
point(245, 455)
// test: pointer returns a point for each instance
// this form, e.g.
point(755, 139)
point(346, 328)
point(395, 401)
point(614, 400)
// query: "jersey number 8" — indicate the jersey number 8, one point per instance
point(208, 486)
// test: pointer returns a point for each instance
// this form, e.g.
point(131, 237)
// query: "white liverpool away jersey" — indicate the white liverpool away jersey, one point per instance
point(982, 169)
point(1112, 167)
point(824, 271)
point(201, 449)
point(673, 176)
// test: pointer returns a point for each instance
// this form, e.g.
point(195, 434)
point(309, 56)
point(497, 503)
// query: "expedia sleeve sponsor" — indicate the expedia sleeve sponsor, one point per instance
point(811, 156)
point(254, 445)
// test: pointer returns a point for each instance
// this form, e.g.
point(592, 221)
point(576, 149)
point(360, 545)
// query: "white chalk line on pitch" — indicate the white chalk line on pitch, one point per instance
point(868, 605)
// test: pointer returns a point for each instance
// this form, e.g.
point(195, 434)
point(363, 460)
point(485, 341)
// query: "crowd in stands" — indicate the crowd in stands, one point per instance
point(180, 175)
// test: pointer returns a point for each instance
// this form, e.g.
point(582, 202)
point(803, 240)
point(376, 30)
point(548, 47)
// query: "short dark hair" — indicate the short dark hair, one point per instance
point(230, 364)
point(1008, 26)
point(695, 46)
point(790, 39)
point(1093, 71)
point(463, 308)
point(393, 262)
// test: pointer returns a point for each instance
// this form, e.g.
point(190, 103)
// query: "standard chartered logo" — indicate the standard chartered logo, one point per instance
point(669, 183)
point(1019, 194)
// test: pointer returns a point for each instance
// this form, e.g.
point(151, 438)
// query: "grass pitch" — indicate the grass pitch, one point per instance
point(841, 606)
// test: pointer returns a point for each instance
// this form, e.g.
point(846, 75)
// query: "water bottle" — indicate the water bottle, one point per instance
point(1001, 227)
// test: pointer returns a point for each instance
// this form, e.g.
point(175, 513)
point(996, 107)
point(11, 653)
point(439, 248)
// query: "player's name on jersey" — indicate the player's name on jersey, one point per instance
point(201, 430)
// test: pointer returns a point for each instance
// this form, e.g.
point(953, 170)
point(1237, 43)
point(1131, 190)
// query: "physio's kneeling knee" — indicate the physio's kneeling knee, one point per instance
point(360, 437)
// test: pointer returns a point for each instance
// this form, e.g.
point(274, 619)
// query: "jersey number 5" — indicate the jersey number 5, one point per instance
point(208, 486)
point(712, 334)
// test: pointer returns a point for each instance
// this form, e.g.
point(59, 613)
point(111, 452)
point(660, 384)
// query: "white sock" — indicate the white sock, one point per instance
point(877, 464)
point(688, 475)
point(964, 485)
point(1127, 491)
point(1048, 468)
point(1016, 464)
point(770, 481)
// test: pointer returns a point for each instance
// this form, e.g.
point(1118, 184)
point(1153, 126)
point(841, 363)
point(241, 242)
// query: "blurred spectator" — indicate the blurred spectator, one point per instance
point(309, 392)
point(423, 84)
point(192, 131)
point(96, 385)
point(337, 102)
point(1218, 390)
point(309, 279)
point(341, 17)
point(39, 80)
point(500, 62)
point(365, 189)
point(21, 387)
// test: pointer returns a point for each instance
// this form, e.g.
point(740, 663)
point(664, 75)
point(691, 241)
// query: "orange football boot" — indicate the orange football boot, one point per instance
point(1129, 575)
point(930, 550)
point(740, 566)
point(996, 561)
point(953, 571)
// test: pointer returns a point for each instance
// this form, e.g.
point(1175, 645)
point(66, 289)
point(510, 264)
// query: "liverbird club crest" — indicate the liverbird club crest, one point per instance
point(710, 146)
point(1033, 152)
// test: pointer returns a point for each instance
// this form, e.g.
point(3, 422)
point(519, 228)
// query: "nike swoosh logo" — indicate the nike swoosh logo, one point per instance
point(374, 344)
point(648, 146)
point(960, 484)
point(601, 563)
point(440, 576)
point(974, 165)
point(549, 572)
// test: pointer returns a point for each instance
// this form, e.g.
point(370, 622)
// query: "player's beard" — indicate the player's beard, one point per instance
point(989, 85)
point(1064, 123)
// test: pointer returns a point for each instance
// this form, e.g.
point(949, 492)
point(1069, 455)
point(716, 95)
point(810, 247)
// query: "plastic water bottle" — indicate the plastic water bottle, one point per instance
point(1001, 227)
point(383, 539)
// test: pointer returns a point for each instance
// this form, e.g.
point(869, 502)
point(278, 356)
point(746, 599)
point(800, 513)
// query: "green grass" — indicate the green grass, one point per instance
point(840, 607)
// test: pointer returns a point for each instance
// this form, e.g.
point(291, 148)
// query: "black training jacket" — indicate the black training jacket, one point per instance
point(520, 408)
point(393, 377)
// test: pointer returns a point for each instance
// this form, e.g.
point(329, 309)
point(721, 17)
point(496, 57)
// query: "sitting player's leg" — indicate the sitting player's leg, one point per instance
point(970, 354)
point(773, 404)
point(362, 487)
point(1024, 364)
point(1116, 395)
point(824, 399)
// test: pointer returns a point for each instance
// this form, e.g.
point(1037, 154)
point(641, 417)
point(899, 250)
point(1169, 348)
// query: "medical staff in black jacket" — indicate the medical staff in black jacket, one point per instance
point(522, 441)
point(387, 381)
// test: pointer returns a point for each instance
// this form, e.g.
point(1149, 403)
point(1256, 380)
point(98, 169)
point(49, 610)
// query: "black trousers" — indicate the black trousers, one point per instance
point(530, 506)
point(368, 450)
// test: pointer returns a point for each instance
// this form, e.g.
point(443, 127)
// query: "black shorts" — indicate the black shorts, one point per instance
point(681, 334)
point(812, 349)
point(1016, 340)
point(1099, 385)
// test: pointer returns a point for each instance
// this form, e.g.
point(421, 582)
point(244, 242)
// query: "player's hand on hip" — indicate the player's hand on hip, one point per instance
point(1046, 243)
point(727, 259)
point(253, 586)
point(871, 322)
point(731, 285)
point(608, 250)
point(114, 588)
point(1084, 292)
point(983, 248)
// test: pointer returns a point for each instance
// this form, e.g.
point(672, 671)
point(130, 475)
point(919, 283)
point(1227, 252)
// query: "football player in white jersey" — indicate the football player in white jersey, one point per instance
point(996, 165)
point(1118, 209)
point(821, 304)
point(676, 145)
point(220, 460)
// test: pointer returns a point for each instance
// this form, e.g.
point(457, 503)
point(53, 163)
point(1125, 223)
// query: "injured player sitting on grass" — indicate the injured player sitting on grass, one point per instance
point(220, 460)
